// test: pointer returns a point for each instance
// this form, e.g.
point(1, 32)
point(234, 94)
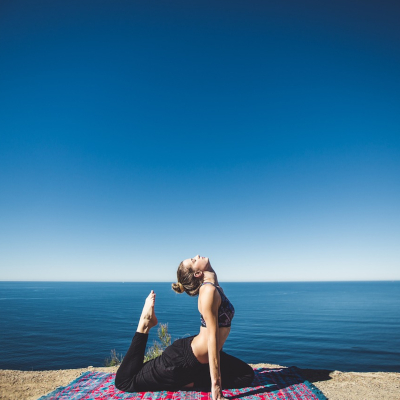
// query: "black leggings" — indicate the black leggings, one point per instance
point(175, 368)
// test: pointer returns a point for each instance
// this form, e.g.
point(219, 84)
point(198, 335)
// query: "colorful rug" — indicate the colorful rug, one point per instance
point(276, 384)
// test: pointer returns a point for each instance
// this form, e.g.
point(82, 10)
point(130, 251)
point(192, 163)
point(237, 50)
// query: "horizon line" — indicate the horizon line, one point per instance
point(305, 281)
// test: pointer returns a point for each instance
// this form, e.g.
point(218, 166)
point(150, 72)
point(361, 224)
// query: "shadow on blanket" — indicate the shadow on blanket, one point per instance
point(269, 380)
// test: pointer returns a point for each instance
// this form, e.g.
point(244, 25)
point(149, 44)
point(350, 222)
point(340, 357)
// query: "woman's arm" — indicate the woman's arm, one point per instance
point(210, 302)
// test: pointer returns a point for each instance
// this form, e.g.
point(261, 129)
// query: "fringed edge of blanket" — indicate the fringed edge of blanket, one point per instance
point(60, 388)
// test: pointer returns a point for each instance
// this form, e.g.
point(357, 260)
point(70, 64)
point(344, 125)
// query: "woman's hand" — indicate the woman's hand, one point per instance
point(217, 392)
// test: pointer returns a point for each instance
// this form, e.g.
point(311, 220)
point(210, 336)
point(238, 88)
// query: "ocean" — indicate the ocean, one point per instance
point(348, 326)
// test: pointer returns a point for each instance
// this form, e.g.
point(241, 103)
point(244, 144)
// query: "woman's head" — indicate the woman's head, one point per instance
point(190, 275)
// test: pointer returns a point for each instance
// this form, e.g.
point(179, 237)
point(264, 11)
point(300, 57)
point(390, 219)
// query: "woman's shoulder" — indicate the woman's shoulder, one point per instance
point(214, 286)
point(207, 287)
point(210, 287)
point(210, 291)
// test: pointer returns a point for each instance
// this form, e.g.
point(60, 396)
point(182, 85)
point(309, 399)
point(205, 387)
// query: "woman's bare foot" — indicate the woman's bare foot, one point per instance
point(148, 318)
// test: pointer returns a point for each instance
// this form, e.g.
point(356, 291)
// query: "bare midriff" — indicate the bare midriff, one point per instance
point(200, 342)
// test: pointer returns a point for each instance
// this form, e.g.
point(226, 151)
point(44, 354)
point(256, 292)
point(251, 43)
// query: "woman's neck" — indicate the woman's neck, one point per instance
point(211, 277)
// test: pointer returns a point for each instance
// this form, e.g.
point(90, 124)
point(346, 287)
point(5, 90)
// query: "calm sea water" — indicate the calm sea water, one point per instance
point(350, 326)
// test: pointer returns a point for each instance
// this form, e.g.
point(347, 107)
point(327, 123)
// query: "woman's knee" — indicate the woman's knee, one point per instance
point(125, 385)
point(119, 384)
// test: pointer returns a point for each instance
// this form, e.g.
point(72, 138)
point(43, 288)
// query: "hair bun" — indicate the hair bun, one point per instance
point(178, 287)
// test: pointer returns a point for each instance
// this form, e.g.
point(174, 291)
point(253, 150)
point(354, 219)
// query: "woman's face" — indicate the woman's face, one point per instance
point(198, 263)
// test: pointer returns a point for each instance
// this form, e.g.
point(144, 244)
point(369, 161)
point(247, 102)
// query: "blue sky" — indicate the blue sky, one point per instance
point(263, 134)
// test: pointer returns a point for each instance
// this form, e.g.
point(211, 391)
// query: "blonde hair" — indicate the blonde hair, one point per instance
point(187, 282)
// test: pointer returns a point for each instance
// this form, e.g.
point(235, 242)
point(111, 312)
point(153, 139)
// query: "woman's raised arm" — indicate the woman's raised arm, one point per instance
point(210, 302)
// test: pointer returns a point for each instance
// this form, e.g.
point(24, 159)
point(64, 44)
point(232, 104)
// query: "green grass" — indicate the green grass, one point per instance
point(158, 347)
point(152, 352)
point(115, 359)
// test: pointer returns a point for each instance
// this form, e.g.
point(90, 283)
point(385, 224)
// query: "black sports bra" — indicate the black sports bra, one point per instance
point(226, 310)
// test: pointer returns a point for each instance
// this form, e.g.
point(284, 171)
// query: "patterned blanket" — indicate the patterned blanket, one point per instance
point(277, 384)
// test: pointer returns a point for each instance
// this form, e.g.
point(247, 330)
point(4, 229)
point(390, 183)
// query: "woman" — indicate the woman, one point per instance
point(196, 362)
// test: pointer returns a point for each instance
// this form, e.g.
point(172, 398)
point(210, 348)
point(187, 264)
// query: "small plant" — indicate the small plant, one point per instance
point(114, 360)
point(164, 336)
point(157, 348)
point(152, 352)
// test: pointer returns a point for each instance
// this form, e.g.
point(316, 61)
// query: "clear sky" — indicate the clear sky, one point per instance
point(262, 134)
